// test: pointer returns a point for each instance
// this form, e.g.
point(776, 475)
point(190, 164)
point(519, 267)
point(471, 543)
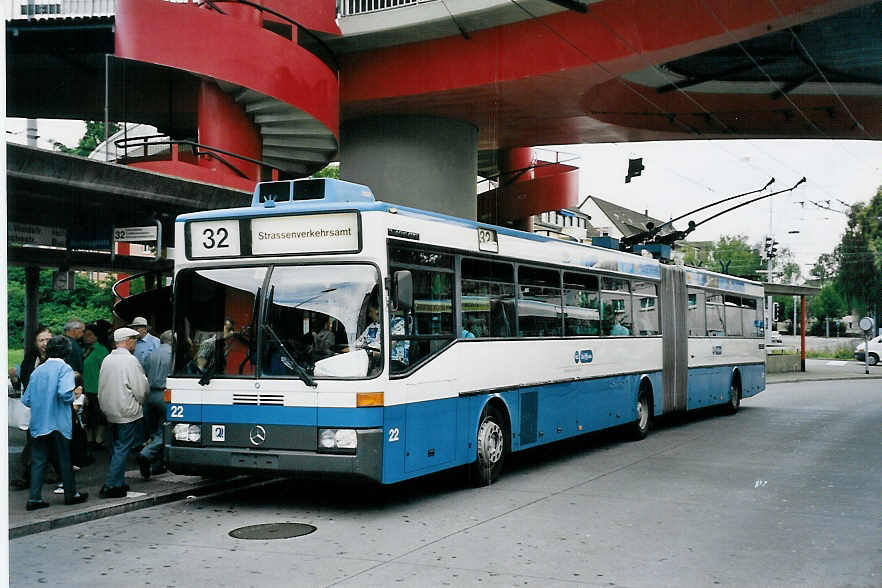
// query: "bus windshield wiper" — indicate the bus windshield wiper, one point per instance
point(291, 363)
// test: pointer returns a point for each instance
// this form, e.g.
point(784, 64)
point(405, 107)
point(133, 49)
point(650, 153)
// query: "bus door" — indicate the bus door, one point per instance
point(675, 344)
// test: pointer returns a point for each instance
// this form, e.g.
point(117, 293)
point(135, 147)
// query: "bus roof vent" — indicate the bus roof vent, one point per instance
point(292, 192)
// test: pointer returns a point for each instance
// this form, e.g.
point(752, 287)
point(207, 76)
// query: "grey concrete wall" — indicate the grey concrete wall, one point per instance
point(420, 161)
point(781, 363)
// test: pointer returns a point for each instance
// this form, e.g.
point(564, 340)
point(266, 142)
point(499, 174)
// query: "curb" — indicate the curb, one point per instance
point(825, 379)
point(218, 487)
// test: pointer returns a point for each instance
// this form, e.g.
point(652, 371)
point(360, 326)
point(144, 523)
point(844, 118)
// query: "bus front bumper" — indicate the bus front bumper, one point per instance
point(194, 460)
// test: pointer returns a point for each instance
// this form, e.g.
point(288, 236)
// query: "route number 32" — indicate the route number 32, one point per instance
point(215, 238)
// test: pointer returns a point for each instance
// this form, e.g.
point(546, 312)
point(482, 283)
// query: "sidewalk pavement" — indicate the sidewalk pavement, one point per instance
point(169, 487)
point(159, 489)
point(826, 369)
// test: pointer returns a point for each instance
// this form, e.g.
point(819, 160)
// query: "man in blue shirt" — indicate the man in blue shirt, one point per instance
point(157, 367)
point(146, 342)
point(50, 394)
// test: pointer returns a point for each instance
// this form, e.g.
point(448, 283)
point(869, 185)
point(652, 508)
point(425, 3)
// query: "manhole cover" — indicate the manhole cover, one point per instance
point(272, 531)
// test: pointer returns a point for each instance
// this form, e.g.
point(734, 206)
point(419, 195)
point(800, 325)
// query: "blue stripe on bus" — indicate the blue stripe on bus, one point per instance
point(277, 415)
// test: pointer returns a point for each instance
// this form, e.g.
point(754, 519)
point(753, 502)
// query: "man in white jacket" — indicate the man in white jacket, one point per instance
point(122, 390)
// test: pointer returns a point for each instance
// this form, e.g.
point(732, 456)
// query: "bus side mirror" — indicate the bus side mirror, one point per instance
point(403, 290)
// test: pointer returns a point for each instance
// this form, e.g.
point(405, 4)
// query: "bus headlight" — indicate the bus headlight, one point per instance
point(338, 440)
point(187, 432)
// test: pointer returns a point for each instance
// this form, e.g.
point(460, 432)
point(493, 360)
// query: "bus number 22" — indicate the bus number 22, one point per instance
point(393, 434)
point(215, 238)
point(176, 411)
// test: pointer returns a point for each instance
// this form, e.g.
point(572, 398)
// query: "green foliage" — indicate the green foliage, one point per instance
point(88, 302)
point(828, 303)
point(731, 254)
point(860, 256)
point(331, 171)
point(825, 267)
point(14, 358)
point(94, 136)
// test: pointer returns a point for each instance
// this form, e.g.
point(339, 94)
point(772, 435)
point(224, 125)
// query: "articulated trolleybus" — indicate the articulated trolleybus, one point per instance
point(321, 332)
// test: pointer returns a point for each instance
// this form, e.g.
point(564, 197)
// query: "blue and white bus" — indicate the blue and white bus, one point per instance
point(320, 332)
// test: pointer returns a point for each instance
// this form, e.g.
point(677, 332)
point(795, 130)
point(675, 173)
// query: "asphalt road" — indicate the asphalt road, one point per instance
point(785, 493)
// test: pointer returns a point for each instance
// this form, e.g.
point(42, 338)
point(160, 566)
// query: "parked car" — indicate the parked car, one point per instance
point(875, 351)
point(776, 338)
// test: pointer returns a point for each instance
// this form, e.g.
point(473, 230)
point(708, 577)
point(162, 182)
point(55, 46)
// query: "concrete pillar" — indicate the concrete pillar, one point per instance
point(420, 161)
point(31, 304)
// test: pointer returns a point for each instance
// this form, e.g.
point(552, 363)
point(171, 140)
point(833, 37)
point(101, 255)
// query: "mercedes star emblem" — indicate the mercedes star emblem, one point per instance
point(257, 435)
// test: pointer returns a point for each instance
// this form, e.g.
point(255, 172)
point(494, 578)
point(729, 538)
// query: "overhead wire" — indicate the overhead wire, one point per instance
point(814, 63)
point(764, 72)
point(671, 117)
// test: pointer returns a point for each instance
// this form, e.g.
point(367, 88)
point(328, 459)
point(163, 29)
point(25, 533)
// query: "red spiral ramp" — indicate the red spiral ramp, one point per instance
point(528, 187)
point(266, 91)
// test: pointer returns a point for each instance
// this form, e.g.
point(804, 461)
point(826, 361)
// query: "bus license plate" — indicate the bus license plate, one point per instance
point(264, 461)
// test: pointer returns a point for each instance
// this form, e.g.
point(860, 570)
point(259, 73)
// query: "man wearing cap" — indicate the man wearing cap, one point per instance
point(122, 390)
point(146, 343)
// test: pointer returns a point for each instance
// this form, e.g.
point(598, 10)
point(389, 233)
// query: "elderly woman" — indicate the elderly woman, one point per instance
point(50, 394)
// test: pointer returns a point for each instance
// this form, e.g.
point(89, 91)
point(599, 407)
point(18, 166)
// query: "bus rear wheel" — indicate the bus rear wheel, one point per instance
point(492, 447)
point(734, 397)
point(640, 427)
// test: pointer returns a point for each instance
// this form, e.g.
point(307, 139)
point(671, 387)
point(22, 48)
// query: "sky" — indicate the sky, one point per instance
point(680, 176)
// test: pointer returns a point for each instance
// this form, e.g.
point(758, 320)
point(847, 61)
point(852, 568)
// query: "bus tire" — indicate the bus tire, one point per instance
point(492, 447)
point(641, 425)
point(734, 395)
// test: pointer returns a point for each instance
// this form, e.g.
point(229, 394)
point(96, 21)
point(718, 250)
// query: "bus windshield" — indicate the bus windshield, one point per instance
point(312, 321)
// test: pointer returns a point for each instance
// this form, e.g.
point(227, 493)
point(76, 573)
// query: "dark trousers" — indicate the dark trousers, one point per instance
point(41, 448)
point(123, 437)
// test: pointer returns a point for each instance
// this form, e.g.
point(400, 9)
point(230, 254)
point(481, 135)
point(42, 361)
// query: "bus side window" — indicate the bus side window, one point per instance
point(581, 305)
point(645, 309)
point(715, 321)
point(539, 302)
point(615, 307)
point(487, 299)
point(695, 320)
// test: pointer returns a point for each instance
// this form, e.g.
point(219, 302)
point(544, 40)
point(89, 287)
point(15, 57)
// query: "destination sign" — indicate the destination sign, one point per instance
point(314, 233)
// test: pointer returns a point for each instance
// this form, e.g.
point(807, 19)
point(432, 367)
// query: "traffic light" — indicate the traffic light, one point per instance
point(771, 248)
point(635, 168)
point(776, 312)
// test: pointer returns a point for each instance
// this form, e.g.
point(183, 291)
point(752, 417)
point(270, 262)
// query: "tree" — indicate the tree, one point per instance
point(734, 256)
point(93, 137)
point(89, 301)
point(828, 304)
point(331, 171)
point(825, 267)
point(860, 256)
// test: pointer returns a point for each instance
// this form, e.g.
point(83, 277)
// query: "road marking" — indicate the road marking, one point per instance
point(837, 363)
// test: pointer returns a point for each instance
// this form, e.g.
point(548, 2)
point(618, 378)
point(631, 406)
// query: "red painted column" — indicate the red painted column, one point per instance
point(519, 158)
point(516, 166)
point(224, 124)
point(123, 249)
point(802, 334)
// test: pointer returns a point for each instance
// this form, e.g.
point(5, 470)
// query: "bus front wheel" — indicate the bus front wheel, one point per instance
point(492, 445)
